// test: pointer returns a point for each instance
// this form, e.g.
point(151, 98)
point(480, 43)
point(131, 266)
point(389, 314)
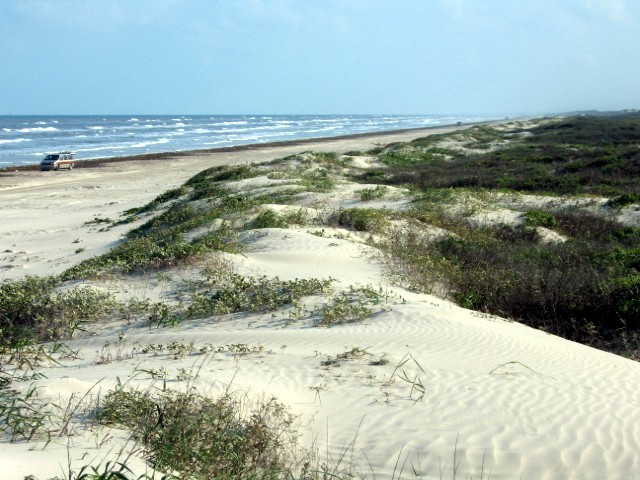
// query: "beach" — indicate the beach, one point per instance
point(419, 388)
point(44, 213)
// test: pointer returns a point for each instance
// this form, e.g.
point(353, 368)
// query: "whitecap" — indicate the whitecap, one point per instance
point(37, 129)
point(242, 122)
point(16, 140)
point(99, 149)
point(146, 144)
point(324, 129)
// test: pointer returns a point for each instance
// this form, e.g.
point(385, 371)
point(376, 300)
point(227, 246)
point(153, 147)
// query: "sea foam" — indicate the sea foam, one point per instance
point(103, 136)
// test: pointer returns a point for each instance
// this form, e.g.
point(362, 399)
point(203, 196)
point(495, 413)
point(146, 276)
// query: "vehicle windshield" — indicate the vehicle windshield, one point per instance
point(51, 157)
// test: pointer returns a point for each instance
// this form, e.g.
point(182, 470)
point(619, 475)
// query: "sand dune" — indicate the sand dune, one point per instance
point(459, 394)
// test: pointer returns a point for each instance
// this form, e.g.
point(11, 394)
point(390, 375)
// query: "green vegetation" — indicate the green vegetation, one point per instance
point(582, 284)
point(353, 305)
point(161, 199)
point(540, 218)
point(32, 311)
point(584, 288)
point(624, 200)
point(361, 219)
point(203, 438)
point(588, 155)
point(320, 181)
point(373, 193)
point(269, 219)
point(221, 296)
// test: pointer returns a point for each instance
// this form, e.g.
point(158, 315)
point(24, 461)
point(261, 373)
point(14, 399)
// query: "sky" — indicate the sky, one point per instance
point(318, 56)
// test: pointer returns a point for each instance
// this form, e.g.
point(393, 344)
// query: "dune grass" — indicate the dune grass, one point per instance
point(585, 288)
point(579, 155)
point(205, 438)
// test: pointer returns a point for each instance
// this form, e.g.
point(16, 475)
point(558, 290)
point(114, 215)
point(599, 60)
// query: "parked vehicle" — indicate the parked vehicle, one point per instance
point(56, 161)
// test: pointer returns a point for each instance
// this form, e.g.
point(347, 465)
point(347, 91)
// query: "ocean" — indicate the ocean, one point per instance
point(24, 140)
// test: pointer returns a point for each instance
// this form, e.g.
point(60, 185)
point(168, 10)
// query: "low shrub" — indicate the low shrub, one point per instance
point(204, 438)
point(585, 288)
point(32, 311)
point(320, 182)
point(540, 218)
point(361, 219)
point(624, 200)
point(353, 305)
point(373, 193)
point(235, 293)
point(234, 173)
point(161, 199)
point(269, 219)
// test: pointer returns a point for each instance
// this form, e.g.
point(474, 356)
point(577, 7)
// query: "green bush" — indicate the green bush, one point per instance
point(362, 219)
point(32, 311)
point(540, 218)
point(624, 200)
point(373, 174)
point(161, 199)
point(585, 288)
point(626, 300)
point(269, 219)
point(248, 294)
point(204, 438)
point(373, 193)
point(562, 160)
point(320, 182)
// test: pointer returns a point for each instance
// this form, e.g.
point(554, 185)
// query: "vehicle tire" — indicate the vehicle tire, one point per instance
point(71, 166)
point(55, 167)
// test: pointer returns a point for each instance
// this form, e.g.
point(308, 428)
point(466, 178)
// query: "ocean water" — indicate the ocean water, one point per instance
point(24, 140)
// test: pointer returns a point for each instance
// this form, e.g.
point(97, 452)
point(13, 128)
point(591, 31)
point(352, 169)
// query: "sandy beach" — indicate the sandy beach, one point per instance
point(44, 213)
point(459, 394)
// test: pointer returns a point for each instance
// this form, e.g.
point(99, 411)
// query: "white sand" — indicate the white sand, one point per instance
point(497, 399)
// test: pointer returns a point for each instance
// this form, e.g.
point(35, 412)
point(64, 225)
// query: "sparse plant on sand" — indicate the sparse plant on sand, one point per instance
point(403, 372)
point(249, 294)
point(202, 437)
point(372, 193)
point(355, 304)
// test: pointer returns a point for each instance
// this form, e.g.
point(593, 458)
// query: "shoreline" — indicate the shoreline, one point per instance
point(163, 155)
point(37, 204)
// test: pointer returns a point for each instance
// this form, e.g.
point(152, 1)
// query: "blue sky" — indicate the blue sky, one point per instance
point(318, 56)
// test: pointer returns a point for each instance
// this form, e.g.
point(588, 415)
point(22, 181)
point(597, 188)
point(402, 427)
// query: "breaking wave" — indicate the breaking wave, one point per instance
point(104, 136)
